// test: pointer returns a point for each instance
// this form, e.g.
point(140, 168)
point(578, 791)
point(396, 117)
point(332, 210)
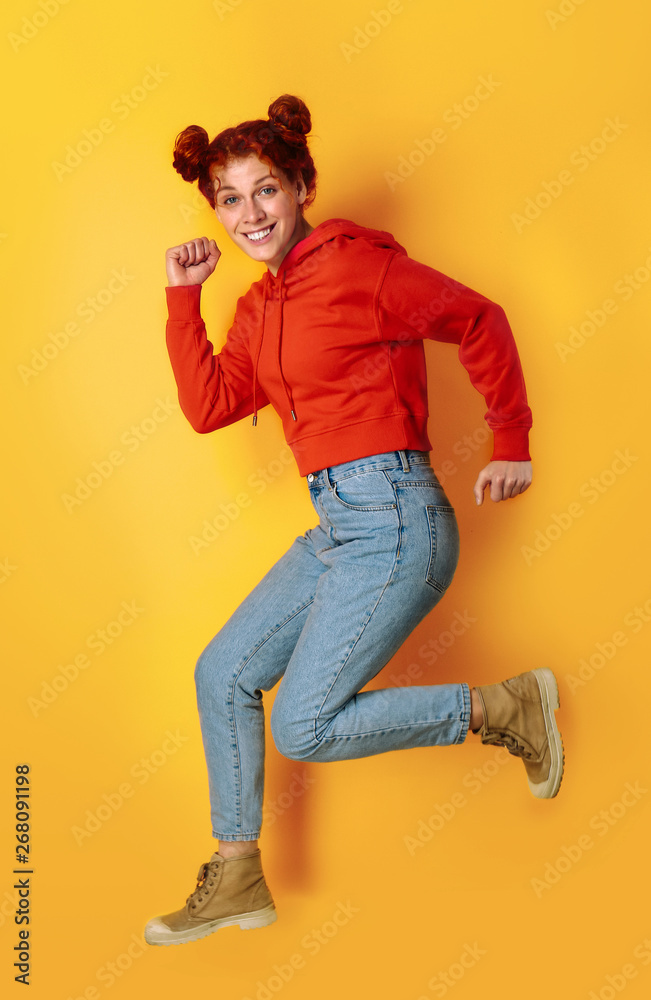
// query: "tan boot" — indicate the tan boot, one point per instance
point(229, 891)
point(519, 715)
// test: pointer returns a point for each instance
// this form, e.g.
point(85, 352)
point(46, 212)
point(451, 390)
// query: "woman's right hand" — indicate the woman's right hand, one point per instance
point(191, 263)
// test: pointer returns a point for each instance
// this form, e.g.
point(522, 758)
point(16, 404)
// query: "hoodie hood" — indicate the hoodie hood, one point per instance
point(302, 259)
point(329, 230)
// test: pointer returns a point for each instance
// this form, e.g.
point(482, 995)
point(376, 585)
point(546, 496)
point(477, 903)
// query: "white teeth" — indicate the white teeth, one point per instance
point(260, 235)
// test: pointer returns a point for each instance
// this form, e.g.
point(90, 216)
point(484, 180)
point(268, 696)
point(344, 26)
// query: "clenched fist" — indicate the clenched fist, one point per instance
point(506, 480)
point(191, 263)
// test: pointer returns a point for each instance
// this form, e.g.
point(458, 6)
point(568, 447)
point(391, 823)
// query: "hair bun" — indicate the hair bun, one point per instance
point(190, 148)
point(292, 113)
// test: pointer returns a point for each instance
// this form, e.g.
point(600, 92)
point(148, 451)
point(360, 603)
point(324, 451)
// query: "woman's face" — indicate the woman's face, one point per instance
point(260, 216)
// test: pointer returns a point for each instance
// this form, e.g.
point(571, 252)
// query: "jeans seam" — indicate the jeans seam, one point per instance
point(248, 835)
point(354, 507)
point(383, 466)
point(363, 508)
point(385, 729)
point(464, 721)
point(465, 715)
point(430, 510)
point(231, 704)
point(423, 485)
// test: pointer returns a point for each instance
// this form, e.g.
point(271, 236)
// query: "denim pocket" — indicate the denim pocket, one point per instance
point(444, 546)
point(365, 491)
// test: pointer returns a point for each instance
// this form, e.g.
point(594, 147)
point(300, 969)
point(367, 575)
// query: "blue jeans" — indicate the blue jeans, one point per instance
point(326, 618)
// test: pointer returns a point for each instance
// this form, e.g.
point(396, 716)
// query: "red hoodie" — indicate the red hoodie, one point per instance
point(335, 343)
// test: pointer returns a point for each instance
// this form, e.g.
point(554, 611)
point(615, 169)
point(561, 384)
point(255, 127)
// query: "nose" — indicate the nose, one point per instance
point(253, 211)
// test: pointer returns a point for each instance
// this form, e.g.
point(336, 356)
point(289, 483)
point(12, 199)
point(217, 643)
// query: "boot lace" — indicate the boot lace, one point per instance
point(509, 741)
point(204, 882)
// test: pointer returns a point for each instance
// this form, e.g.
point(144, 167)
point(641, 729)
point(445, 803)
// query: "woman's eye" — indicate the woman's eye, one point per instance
point(231, 198)
point(272, 190)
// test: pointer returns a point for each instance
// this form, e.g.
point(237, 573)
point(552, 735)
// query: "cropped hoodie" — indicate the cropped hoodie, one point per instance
point(335, 343)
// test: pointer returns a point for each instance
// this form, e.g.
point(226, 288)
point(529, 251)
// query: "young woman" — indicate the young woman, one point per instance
point(332, 336)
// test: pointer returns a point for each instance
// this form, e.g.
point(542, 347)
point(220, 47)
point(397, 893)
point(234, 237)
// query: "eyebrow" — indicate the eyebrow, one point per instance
point(227, 187)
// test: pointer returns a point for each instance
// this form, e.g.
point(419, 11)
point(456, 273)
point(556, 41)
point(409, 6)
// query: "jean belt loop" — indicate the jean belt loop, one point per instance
point(404, 460)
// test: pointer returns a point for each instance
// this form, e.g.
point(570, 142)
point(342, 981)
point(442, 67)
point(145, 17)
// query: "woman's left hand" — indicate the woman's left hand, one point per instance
point(506, 480)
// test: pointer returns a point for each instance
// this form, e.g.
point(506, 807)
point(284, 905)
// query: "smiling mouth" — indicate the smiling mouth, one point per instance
point(260, 234)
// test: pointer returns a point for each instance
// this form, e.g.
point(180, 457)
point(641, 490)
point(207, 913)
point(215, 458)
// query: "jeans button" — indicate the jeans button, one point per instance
point(310, 477)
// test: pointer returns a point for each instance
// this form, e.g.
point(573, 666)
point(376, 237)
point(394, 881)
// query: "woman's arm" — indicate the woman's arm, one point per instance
point(214, 389)
point(417, 302)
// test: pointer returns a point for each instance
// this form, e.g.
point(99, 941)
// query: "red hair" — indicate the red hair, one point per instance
point(280, 141)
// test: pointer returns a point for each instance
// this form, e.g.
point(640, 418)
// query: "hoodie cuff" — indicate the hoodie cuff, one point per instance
point(510, 444)
point(183, 302)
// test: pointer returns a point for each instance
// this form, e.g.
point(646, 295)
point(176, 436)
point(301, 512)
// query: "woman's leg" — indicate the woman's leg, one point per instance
point(248, 656)
point(394, 552)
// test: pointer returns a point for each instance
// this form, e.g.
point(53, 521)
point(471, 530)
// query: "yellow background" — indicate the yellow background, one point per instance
point(468, 887)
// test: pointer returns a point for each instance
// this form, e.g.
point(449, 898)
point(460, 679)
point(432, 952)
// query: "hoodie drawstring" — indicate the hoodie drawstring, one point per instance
point(257, 353)
point(281, 300)
point(283, 296)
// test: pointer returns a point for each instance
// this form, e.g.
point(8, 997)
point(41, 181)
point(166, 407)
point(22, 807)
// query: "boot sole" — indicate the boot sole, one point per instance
point(156, 932)
point(548, 687)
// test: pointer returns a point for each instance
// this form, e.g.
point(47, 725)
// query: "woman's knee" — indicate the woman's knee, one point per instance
point(224, 674)
point(212, 673)
point(294, 738)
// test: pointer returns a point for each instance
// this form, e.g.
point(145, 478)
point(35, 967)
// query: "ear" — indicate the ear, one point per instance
point(301, 190)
